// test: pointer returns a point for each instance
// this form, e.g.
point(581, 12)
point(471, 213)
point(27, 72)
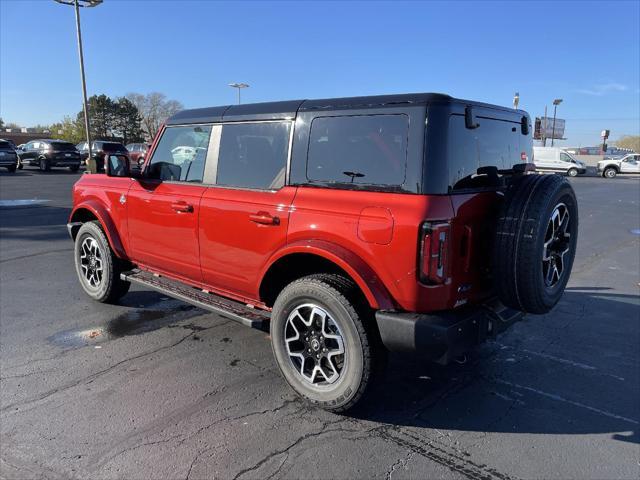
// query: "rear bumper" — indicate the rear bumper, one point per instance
point(443, 336)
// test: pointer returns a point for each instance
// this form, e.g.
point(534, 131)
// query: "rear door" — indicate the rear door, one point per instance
point(163, 207)
point(244, 217)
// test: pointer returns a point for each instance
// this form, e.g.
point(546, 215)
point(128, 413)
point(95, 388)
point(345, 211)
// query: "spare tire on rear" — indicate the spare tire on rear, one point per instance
point(535, 244)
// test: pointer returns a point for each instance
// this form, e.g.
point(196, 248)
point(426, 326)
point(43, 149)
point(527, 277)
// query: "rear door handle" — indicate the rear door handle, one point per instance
point(182, 207)
point(264, 218)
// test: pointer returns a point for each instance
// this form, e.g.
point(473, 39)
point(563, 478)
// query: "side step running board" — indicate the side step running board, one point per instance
point(248, 316)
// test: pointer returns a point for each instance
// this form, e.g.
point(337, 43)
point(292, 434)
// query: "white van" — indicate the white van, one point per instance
point(554, 159)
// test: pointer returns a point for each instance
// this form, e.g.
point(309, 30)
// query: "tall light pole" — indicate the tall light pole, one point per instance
point(239, 86)
point(556, 102)
point(77, 4)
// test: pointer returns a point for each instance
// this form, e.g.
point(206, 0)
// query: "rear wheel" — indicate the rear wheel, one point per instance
point(322, 343)
point(573, 172)
point(535, 242)
point(610, 172)
point(44, 165)
point(11, 169)
point(97, 266)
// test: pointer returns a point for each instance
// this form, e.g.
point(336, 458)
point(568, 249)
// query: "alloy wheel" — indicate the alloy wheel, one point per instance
point(91, 262)
point(315, 345)
point(557, 242)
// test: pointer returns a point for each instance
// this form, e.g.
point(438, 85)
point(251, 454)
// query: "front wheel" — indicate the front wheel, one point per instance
point(97, 266)
point(322, 344)
point(44, 165)
point(610, 173)
point(573, 172)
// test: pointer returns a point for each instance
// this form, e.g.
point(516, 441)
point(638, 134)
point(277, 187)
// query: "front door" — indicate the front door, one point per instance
point(244, 217)
point(164, 207)
point(630, 164)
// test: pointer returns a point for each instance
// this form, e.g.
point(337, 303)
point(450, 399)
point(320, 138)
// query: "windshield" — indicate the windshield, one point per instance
point(113, 147)
point(62, 146)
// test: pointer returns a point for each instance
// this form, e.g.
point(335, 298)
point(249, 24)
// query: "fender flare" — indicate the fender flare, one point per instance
point(102, 214)
point(367, 280)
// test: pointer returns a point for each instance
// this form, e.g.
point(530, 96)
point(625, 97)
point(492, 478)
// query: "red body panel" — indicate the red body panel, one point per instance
point(225, 239)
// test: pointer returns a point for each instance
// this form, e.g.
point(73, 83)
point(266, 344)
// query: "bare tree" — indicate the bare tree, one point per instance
point(629, 141)
point(154, 109)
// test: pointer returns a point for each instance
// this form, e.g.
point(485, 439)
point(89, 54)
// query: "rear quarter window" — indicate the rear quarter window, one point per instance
point(361, 149)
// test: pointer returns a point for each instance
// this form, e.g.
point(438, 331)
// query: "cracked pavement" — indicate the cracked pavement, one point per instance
point(153, 388)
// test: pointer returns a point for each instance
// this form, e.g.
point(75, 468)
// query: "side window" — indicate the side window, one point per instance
point(36, 145)
point(28, 146)
point(181, 154)
point(565, 158)
point(365, 149)
point(253, 155)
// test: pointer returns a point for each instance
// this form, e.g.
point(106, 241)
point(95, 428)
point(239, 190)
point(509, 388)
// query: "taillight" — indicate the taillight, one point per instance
point(434, 252)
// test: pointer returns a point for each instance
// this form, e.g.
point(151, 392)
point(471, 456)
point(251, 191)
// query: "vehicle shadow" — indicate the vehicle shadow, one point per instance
point(32, 216)
point(519, 383)
point(29, 172)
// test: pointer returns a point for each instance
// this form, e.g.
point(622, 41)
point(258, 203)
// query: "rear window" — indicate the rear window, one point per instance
point(495, 143)
point(5, 145)
point(62, 146)
point(113, 147)
point(362, 149)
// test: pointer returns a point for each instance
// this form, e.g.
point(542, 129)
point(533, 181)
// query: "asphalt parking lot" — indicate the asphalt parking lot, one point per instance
point(153, 388)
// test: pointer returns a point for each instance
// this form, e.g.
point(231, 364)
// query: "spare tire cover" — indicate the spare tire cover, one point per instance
point(535, 243)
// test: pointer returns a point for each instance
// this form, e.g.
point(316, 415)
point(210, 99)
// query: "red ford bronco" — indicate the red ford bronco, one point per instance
point(350, 226)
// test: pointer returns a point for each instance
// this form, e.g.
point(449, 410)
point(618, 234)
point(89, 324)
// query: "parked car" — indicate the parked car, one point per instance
point(554, 159)
point(100, 148)
point(8, 156)
point(138, 152)
point(47, 153)
point(350, 226)
point(610, 167)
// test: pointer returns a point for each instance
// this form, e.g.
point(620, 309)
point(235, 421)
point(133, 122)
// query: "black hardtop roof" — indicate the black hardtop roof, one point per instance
point(289, 108)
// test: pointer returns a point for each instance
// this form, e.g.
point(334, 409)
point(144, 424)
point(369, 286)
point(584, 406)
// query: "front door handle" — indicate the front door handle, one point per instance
point(182, 207)
point(264, 218)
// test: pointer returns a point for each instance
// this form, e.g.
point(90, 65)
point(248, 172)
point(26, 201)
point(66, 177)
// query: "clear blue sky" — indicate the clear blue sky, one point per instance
point(586, 53)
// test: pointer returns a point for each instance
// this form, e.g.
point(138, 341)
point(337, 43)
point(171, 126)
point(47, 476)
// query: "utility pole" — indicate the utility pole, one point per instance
point(77, 4)
point(556, 102)
point(544, 128)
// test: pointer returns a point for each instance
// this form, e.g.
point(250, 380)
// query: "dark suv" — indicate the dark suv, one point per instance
point(346, 226)
point(99, 149)
point(49, 153)
point(8, 156)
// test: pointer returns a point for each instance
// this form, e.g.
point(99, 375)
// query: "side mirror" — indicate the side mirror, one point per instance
point(470, 119)
point(117, 166)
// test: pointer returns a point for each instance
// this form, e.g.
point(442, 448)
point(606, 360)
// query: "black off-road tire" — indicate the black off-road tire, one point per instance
point(110, 287)
point(44, 165)
point(609, 172)
point(364, 354)
point(523, 223)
